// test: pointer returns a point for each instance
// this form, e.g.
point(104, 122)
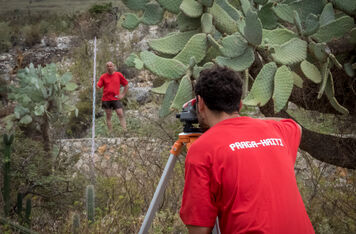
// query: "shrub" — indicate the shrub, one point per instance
point(5, 37)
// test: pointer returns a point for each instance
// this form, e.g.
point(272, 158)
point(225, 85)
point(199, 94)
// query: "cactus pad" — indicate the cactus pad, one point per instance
point(283, 85)
point(186, 23)
point(284, 12)
point(327, 15)
point(168, 98)
point(168, 68)
point(207, 3)
point(233, 45)
point(153, 14)
point(268, 17)
point(191, 8)
point(161, 89)
point(135, 4)
point(195, 47)
point(170, 5)
point(311, 71)
point(335, 29)
point(172, 43)
point(298, 81)
point(238, 63)
point(184, 93)
point(262, 88)
point(131, 21)
point(232, 11)
point(311, 25)
point(330, 93)
point(223, 21)
point(207, 23)
point(253, 28)
point(277, 36)
point(348, 6)
point(293, 51)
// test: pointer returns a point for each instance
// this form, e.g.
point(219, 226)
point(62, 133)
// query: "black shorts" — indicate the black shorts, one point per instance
point(115, 104)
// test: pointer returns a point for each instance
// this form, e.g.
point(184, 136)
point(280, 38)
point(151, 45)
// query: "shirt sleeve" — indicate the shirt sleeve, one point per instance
point(100, 82)
point(197, 207)
point(123, 81)
point(291, 134)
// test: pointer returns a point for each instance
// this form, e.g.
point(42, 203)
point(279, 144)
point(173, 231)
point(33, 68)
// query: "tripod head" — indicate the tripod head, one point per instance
point(189, 117)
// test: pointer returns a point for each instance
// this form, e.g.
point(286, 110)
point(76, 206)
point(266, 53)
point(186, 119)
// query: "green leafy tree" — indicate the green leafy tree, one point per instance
point(289, 51)
point(41, 96)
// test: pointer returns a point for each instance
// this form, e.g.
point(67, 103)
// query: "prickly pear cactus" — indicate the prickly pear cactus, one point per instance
point(289, 39)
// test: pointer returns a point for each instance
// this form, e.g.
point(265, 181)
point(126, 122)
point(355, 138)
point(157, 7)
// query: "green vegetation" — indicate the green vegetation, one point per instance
point(286, 39)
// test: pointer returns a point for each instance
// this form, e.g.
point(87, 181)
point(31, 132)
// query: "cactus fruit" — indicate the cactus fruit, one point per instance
point(253, 28)
point(293, 51)
point(191, 8)
point(238, 63)
point(168, 68)
point(90, 202)
point(195, 47)
point(262, 89)
point(311, 71)
point(283, 85)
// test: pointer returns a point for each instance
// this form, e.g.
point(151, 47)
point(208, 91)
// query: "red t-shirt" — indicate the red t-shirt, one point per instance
point(242, 170)
point(111, 85)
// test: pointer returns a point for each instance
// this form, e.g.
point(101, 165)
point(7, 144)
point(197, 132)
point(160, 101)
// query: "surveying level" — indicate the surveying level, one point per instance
point(187, 137)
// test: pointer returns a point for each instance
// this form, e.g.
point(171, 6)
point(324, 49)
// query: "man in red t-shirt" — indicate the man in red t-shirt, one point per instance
point(112, 81)
point(241, 169)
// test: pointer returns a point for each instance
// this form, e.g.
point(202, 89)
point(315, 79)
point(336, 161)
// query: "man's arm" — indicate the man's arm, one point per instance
point(199, 230)
point(279, 119)
point(122, 95)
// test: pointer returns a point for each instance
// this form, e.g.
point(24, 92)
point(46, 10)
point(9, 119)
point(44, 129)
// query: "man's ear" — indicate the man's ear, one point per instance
point(200, 103)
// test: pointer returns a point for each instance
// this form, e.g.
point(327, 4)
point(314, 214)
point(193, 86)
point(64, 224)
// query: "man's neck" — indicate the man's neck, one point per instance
point(215, 117)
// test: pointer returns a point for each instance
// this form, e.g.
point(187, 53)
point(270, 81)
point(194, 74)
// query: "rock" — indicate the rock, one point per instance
point(140, 94)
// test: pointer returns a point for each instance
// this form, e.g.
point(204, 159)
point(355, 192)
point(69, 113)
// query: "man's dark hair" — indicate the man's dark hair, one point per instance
point(221, 89)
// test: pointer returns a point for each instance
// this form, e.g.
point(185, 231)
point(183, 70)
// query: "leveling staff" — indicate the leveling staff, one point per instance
point(241, 169)
point(112, 81)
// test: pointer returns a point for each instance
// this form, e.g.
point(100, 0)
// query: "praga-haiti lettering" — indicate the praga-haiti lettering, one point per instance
point(255, 144)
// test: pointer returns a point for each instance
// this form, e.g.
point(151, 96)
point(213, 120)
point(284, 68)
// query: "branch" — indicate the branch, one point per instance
point(339, 151)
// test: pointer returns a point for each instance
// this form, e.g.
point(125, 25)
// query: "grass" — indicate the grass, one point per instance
point(60, 6)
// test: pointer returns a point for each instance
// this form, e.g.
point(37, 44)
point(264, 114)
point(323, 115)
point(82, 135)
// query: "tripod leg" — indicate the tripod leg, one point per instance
point(216, 229)
point(157, 197)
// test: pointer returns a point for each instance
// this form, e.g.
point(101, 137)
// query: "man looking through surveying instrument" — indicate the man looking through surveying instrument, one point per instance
point(112, 81)
point(241, 169)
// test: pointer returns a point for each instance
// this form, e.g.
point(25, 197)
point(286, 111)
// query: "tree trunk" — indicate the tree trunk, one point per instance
point(339, 151)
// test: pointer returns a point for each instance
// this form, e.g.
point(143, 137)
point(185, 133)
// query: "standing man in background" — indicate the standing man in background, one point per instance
point(241, 169)
point(112, 81)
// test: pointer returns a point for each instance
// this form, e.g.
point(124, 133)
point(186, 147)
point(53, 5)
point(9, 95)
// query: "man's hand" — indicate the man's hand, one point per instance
point(120, 96)
point(199, 230)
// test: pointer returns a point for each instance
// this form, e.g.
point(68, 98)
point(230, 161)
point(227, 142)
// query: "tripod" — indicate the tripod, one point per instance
point(183, 138)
